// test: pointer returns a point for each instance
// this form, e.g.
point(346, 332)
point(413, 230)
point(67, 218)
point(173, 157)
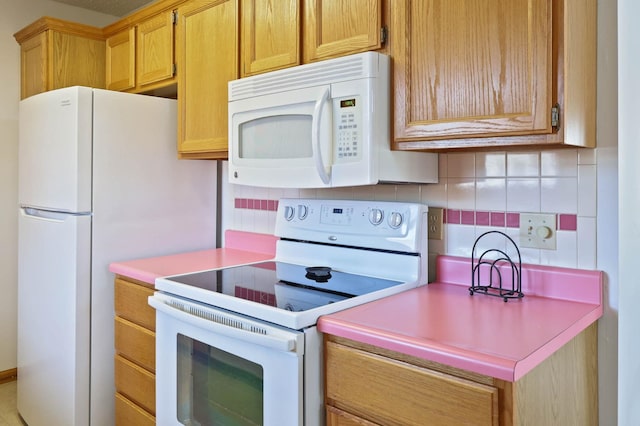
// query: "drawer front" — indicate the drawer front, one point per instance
point(131, 303)
point(135, 343)
point(392, 392)
point(128, 413)
point(337, 417)
point(136, 383)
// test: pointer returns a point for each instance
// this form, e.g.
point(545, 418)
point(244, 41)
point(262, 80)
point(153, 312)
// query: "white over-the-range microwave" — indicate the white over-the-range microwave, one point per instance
point(324, 124)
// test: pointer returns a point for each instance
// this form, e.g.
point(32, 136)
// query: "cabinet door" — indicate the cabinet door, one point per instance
point(33, 67)
point(270, 35)
point(121, 57)
point(207, 50)
point(471, 68)
point(154, 58)
point(336, 27)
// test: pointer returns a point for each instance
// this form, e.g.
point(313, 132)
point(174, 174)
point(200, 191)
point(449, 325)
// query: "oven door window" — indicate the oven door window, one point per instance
point(216, 387)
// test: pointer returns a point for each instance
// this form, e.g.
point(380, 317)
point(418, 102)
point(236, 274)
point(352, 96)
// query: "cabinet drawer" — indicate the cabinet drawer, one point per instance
point(393, 392)
point(337, 417)
point(128, 413)
point(136, 383)
point(131, 303)
point(135, 343)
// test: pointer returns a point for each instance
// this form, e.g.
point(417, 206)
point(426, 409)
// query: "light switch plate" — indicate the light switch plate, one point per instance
point(538, 230)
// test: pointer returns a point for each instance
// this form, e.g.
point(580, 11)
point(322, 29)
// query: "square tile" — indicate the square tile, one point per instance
point(491, 164)
point(565, 254)
point(559, 195)
point(491, 194)
point(523, 164)
point(461, 165)
point(559, 162)
point(523, 194)
point(434, 194)
point(461, 193)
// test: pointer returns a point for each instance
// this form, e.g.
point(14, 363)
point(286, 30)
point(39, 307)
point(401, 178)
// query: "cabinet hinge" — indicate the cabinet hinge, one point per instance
point(175, 69)
point(555, 117)
point(174, 17)
point(384, 33)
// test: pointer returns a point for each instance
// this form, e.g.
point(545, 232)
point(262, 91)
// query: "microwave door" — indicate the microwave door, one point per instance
point(282, 140)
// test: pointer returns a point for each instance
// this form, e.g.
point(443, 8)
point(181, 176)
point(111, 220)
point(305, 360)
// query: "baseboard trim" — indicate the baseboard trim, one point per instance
point(8, 375)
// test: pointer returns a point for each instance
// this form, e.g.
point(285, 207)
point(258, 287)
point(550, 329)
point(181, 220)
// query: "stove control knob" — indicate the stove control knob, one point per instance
point(289, 212)
point(395, 220)
point(376, 216)
point(303, 211)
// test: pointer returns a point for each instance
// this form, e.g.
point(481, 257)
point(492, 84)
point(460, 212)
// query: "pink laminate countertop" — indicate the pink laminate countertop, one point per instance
point(241, 248)
point(441, 322)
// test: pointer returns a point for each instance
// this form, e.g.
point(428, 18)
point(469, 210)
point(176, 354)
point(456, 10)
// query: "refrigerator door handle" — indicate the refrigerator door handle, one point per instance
point(47, 214)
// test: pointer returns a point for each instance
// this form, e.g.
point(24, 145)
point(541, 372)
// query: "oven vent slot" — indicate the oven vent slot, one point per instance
point(217, 318)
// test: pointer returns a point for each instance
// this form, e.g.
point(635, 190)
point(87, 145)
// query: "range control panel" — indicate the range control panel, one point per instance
point(373, 224)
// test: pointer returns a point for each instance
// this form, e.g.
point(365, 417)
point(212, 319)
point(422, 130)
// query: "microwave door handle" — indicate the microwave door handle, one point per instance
point(315, 135)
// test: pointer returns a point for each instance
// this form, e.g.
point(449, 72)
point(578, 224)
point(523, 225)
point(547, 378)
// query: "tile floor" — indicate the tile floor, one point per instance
point(8, 411)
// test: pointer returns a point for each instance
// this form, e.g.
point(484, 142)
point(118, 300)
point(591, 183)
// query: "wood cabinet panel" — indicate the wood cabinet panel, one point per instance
point(135, 343)
point(136, 383)
point(34, 64)
point(155, 53)
point(128, 413)
point(121, 60)
point(207, 46)
point(270, 35)
point(56, 53)
point(131, 303)
point(491, 75)
point(334, 27)
point(402, 393)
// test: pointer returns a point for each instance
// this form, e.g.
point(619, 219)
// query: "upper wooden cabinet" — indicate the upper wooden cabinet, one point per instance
point(270, 35)
point(207, 46)
point(336, 27)
point(56, 53)
point(140, 56)
point(121, 60)
point(493, 73)
point(274, 31)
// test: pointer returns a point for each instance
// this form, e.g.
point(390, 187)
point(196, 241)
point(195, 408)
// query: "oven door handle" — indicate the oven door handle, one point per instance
point(224, 324)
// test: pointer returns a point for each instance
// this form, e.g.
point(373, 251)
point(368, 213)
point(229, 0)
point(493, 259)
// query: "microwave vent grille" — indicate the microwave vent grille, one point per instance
point(362, 65)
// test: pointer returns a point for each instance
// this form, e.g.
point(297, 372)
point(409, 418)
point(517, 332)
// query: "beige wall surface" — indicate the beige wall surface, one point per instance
point(16, 15)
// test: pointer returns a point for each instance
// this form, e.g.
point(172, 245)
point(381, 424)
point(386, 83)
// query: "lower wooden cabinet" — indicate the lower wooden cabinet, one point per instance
point(135, 362)
point(366, 385)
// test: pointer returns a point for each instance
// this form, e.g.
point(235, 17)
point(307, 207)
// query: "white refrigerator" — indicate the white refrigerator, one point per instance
point(99, 181)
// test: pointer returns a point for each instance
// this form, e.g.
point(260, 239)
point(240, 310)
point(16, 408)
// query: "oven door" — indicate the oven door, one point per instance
point(214, 367)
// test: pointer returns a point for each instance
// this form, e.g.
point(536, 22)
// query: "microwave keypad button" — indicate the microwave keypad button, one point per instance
point(395, 220)
point(376, 216)
point(288, 213)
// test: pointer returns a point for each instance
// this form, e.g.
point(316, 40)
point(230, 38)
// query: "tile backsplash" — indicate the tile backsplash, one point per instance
point(480, 192)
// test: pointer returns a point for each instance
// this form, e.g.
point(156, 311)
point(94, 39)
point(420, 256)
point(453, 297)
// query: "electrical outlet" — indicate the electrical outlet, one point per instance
point(538, 230)
point(435, 223)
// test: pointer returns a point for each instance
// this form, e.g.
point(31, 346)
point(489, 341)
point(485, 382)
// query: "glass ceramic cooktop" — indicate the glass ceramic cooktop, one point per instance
point(284, 285)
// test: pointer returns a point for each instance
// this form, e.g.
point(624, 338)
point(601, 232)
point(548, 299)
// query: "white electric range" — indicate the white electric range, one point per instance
point(239, 345)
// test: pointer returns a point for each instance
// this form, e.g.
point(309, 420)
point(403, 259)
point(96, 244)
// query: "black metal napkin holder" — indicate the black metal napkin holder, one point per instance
point(495, 286)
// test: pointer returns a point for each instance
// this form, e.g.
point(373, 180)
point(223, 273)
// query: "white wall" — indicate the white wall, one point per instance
point(581, 184)
point(15, 16)
point(629, 175)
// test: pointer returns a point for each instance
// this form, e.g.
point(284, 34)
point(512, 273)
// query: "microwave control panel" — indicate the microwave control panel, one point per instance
point(348, 128)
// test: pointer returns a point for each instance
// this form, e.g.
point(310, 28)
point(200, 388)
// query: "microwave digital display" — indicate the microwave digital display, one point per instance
point(346, 103)
point(337, 211)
